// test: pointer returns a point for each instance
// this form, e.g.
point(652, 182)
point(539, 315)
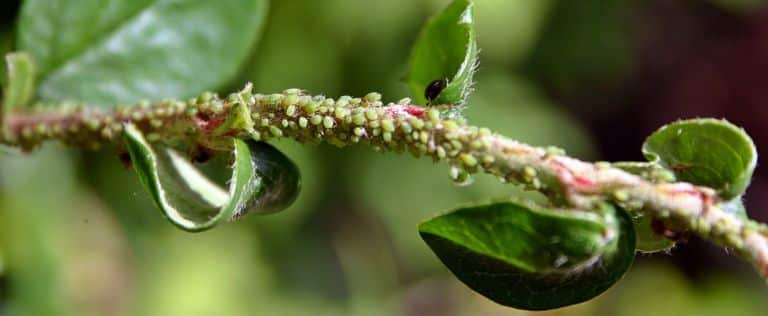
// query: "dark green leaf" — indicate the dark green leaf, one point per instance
point(21, 81)
point(123, 51)
point(445, 50)
point(530, 258)
point(705, 152)
point(263, 181)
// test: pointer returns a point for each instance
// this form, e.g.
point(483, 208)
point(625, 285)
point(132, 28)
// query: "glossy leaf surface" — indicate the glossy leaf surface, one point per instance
point(532, 258)
point(110, 52)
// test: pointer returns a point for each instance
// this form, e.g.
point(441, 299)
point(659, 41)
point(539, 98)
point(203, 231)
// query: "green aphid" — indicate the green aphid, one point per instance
point(310, 107)
point(371, 114)
point(372, 97)
point(290, 100)
point(205, 97)
point(137, 116)
point(328, 122)
point(387, 125)
point(468, 160)
point(424, 137)
point(416, 122)
point(276, 131)
point(291, 111)
point(406, 128)
point(359, 119)
point(92, 124)
point(340, 113)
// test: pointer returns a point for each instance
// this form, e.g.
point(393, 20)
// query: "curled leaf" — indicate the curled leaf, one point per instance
point(444, 57)
point(705, 152)
point(530, 258)
point(21, 80)
point(263, 181)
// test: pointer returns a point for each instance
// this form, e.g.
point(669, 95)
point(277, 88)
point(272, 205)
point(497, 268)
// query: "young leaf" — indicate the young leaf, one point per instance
point(122, 51)
point(706, 152)
point(533, 259)
point(263, 181)
point(445, 50)
point(21, 80)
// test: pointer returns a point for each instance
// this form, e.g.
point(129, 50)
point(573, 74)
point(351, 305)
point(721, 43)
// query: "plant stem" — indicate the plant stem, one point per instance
point(209, 121)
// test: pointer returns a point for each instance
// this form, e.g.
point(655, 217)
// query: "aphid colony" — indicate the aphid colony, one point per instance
point(396, 126)
point(208, 119)
point(205, 124)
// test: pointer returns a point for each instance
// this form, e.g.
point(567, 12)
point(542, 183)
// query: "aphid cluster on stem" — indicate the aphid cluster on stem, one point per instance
point(206, 121)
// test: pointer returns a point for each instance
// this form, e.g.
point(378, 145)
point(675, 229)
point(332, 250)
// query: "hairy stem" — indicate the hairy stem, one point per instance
point(209, 121)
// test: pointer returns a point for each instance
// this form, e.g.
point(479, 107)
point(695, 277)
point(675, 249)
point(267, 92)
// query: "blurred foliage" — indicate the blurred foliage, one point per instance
point(740, 6)
point(94, 244)
point(163, 43)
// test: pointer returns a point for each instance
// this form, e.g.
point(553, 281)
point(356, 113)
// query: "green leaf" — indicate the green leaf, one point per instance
point(445, 50)
point(123, 51)
point(263, 181)
point(21, 81)
point(705, 152)
point(531, 258)
point(648, 241)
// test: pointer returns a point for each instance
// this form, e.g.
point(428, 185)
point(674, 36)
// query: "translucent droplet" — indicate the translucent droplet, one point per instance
point(460, 177)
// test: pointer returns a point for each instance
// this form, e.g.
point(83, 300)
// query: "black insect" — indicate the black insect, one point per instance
point(201, 154)
point(125, 158)
point(434, 88)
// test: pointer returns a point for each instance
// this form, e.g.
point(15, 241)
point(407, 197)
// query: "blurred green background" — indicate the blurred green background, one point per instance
point(79, 236)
